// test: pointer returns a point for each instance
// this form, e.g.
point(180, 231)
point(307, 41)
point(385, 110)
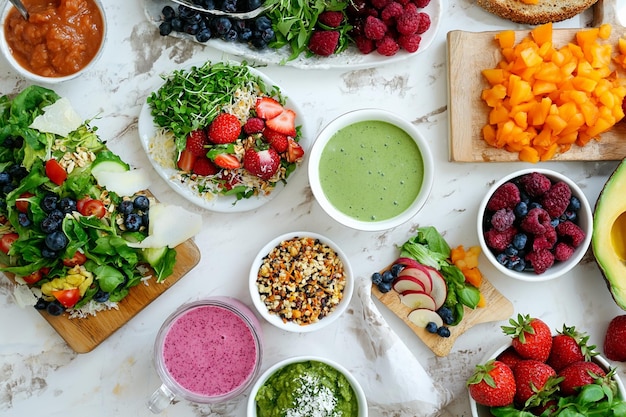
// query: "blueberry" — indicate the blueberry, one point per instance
point(177, 24)
point(203, 35)
point(534, 205)
point(555, 222)
point(574, 203)
point(141, 202)
point(222, 25)
point(510, 250)
point(55, 308)
point(126, 207)
point(133, 222)
point(520, 265)
point(521, 209)
point(443, 331)
point(67, 205)
point(191, 28)
point(377, 278)
point(446, 315)
point(168, 13)
point(56, 241)
point(101, 296)
point(570, 215)
point(49, 202)
point(41, 304)
point(501, 258)
point(50, 224)
point(388, 276)
point(5, 178)
point(47, 253)
point(245, 35)
point(262, 23)
point(231, 36)
point(384, 287)
point(254, 4)
point(23, 220)
point(7, 188)
point(431, 327)
point(165, 28)
point(396, 268)
point(519, 241)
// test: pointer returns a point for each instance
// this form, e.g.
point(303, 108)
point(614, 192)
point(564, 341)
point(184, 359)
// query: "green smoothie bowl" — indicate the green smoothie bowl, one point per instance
point(371, 170)
point(307, 386)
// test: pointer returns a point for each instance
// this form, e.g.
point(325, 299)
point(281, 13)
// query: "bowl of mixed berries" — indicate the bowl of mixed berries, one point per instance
point(534, 224)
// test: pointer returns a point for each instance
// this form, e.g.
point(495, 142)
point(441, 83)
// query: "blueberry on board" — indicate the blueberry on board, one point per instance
point(396, 268)
point(388, 276)
point(443, 331)
point(54, 308)
point(56, 241)
point(101, 296)
point(431, 327)
point(384, 287)
point(446, 314)
point(41, 304)
point(377, 278)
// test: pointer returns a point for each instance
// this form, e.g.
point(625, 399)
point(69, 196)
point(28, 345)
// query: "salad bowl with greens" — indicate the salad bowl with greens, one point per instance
point(78, 230)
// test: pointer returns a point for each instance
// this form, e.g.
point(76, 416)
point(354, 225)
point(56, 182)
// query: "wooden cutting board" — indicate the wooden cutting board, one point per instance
point(498, 308)
point(84, 334)
point(471, 52)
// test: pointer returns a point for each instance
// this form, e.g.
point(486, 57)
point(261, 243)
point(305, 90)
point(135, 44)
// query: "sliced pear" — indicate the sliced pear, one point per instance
point(169, 226)
point(422, 316)
point(58, 118)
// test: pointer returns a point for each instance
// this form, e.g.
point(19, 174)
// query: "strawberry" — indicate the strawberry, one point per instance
point(253, 125)
point(615, 339)
point(510, 357)
point(196, 142)
point(186, 160)
point(531, 337)
point(284, 123)
point(492, 384)
point(204, 167)
point(263, 164)
point(276, 140)
point(226, 161)
point(569, 346)
point(535, 381)
point(294, 151)
point(225, 128)
point(579, 374)
point(268, 108)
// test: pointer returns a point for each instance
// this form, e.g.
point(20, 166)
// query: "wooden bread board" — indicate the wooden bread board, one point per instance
point(471, 52)
point(498, 308)
point(84, 334)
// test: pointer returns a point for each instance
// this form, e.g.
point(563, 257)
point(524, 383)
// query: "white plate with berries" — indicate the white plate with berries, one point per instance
point(350, 57)
point(232, 144)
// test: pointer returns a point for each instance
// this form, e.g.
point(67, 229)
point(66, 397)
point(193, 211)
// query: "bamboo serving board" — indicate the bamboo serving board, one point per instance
point(84, 334)
point(498, 308)
point(471, 52)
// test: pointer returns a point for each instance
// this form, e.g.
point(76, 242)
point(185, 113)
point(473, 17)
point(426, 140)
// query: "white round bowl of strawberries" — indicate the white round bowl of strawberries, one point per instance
point(545, 374)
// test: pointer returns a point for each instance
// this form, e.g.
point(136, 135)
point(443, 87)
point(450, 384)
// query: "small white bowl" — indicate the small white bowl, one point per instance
point(479, 410)
point(292, 326)
point(17, 67)
point(379, 164)
point(585, 222)
point(356, 387)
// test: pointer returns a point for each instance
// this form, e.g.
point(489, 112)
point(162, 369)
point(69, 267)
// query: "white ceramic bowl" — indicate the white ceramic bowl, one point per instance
point(585, 222)
point(479, 410)
point(360, 395)
point(292, 326)
point(39, 79)
point(379, 164)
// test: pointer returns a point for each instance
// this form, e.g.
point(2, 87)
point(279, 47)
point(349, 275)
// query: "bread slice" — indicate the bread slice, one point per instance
point(544, 11)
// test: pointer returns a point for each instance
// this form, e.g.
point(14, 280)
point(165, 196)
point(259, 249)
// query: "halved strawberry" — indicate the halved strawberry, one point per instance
point(294, 151)
point(186, 160)
point(226, 161)
point(268, 108)
point(196, 141)
point(284, 123)
point(276, 140)
point(204, 167)
point(263, 164)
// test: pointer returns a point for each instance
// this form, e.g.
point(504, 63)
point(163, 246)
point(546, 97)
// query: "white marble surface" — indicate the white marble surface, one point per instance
point(41, 375)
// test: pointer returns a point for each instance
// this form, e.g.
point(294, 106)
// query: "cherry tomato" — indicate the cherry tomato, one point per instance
point(79, 258)
point(7, 240)
point(92, 208)
point(33, 277)
point(21, 204)
point(67, 298)
point(80, 204)
point(55, 171)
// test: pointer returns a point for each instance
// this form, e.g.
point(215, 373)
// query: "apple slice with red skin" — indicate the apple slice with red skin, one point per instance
point(439, 291)
point(407, 282)
point(417, 299)
point(408, 262)
point(421, 273)
point(422, 316)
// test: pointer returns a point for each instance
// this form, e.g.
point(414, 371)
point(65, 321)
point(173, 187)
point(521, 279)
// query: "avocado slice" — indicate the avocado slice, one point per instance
point(608, 240)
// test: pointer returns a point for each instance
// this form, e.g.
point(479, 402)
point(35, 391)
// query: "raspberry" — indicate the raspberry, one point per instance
point(324, 42)
point(500, 240)
point(502, 219)
point(387, 46)
point(196, 141)
point(408, 23)
point(391, 11)
point(570, 233)
point(331, 18)
point(540, 260)
point(421, 3)
point(379, 4)
point(374, 28)
point(535, 184)
point(563, 251)
point(545, 241)
point(505, 196)
point(424, 23)
point(556, 199)
point(537, 221)
point(225, 128)
point(404, 2)
point(204, 167)
point(254, 125)
point(364, 45)
point(410, 43)
point(411, 8)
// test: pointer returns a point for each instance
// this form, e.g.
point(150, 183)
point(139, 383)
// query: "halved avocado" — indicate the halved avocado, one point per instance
point(608, 240)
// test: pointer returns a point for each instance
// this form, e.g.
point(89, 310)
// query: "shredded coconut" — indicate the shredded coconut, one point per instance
point(313, 399)
point(91, 308)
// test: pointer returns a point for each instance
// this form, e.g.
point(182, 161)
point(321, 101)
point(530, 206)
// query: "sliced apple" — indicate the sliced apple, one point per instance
point(420, 273)
point(417, 299)
point(439, 291)
point(422, 316)
point(408, 262)
point(407, 282)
